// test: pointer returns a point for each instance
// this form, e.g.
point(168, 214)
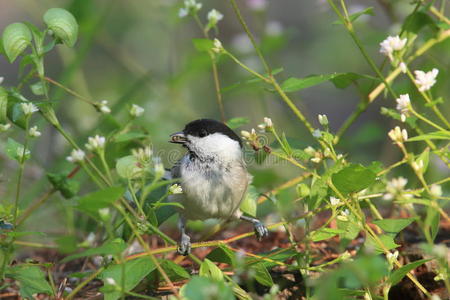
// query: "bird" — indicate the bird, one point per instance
point(213, 177)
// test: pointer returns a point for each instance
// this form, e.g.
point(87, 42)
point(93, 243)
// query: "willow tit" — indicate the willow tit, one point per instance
point(213, 176)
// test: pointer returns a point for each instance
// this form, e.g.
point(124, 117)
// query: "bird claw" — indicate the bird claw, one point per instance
point(184, 248)
point(261, 231)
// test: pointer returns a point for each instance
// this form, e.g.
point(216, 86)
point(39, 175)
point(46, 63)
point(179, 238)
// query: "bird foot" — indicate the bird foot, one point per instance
point(261, 230)
point(184, 247)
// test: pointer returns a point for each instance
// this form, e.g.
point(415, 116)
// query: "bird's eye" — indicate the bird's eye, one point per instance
point(202, 133)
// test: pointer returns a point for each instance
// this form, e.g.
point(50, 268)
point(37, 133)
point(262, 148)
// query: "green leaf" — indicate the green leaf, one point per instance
point(260, 156)
point(249, 204)
point(343, 80)
point(237, 122)
point(15, 150)
point(393, 225)
point(432, 221)
point(127, 167)
point(324, 234)
point(92, 202)
point(3, 106)
point(355, 16)
point(318, 192)
point(37, 88)
point(249, 81)
point(340, 81)
point(135, 271)
point(353, 178)
point(416, 21)
point(205, 288)
point(66, 186)
point(262, 275)
point(387, 240)
point(174, 271)
point(16, 38)
point(209, 269)
point(129, 136)
point(31, 279)
point(437, 135)
point(398, 274)
point(394, 114)
point(203, 44)
point(425, 158)
point(222, 254)
point(114, 247)
point(63, 24)
point(294, 84)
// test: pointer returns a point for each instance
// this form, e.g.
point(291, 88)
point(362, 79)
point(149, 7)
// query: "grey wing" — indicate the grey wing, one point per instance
point(175, 172)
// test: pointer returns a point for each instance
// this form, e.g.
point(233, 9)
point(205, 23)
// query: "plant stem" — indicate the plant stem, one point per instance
point(36, 205)
point(84, 283)
point(250, 36)
point(214, 70)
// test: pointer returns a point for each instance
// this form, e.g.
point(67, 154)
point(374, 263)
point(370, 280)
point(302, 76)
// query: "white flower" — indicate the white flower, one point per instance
point(245, 134)
point(4, 127)
point(143, 155)
point(426, 80)
point(346, 255)
point(323, 120)
point(28, 108)
point(110, 281)
point(391, 44)
point(257, 4)
point(317, 134)
point(327, 152)
point(104, 213)
point(436, 190)
point(190, 6)
point(2, 79)
point(418, 166)
point(398, 135)
point(214, 16)
point(310, 150)
point(334, 201)
point(403, 106)
point(396, 188)
point(104, 108)
point(251, 136)
point(136, 110)
point(175, 189)
point(403, 67)
point(158, 167)
point(392, 258)
point(20, 153)
point(33, 132)
point(95, 143)
point(218, 48)
point(316, 160)
point(267, 125)
point(344, 215)
point(76, 155)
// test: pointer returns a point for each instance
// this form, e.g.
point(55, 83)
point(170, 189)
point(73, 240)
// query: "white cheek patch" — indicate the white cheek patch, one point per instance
point(216, 144)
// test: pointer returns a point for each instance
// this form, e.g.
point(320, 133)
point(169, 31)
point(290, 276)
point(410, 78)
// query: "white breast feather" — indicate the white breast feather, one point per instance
point(215, 182)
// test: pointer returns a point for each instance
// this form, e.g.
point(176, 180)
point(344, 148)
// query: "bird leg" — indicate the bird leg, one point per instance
point(184, 247)
point(260, 230)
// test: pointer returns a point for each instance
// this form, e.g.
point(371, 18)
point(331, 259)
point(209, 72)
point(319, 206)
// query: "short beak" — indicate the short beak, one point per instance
point(178, 138)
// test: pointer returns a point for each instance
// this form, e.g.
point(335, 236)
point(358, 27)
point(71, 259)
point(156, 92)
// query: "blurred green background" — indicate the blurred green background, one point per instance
point(142, 52)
